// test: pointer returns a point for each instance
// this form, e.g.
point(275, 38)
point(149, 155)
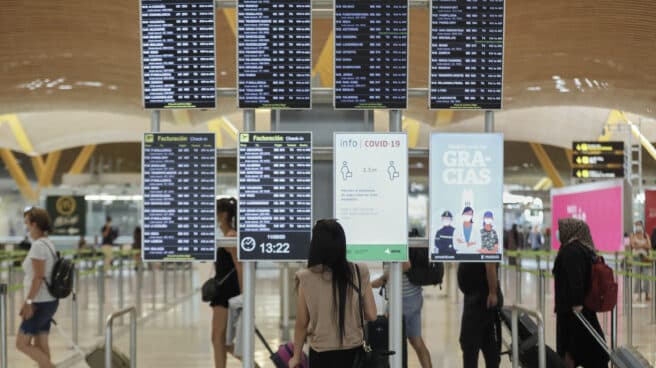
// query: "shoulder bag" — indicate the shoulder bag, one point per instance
point(210, 288)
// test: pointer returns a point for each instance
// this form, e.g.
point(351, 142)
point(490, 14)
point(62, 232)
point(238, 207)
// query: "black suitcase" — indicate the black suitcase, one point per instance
point(378, 337)
point(622, 357)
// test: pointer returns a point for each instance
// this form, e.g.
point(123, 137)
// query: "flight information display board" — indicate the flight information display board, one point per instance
point(466, 54)
point(598, 160)
point(275, 196)
point(275, 54)
point(179, 202)
point(178, 54)
point(371, 54)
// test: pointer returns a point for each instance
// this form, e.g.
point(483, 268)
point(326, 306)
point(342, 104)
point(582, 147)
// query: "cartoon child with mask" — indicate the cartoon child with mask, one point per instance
point(444, 236)
point(467, 235)
point(489, 237)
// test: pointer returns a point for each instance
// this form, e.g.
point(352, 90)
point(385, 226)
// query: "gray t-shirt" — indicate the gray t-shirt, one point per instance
point(42, 249)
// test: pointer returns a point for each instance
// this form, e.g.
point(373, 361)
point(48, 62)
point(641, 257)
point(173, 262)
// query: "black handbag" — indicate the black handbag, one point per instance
point(368, 357)
point(210, 288)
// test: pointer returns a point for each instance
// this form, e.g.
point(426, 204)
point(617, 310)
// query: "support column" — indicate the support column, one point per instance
point(489, 122)
point(396, 292)
point(248, 269)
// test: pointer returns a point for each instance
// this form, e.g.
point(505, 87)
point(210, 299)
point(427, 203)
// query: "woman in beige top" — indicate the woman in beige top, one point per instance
point(328, 308)
point(640, 246)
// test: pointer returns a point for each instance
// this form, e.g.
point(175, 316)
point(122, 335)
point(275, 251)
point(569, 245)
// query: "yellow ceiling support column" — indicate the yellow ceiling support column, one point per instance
point(443, 117)
point(214, 125)
point(24, 142)
point(181, 117)
point(231, 17)
point(325, 63)
point(412, 127)
point(50, 168)
point(18, 174)
point(547, 164)
point(82, 159)
point(570, 157)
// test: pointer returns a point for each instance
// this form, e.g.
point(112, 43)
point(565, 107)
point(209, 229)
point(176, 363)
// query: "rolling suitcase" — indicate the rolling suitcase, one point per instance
point(378, 337)
point(284, 354)
point(622, 357)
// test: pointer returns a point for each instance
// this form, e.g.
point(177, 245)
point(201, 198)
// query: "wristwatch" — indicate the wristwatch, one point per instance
point(29, 301)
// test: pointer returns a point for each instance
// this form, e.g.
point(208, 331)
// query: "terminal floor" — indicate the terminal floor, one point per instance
point(179, 336)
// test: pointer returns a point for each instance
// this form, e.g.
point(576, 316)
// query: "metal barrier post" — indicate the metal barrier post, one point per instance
point(101, 298)
point(626, 288)
point(75, 324)
point(613, 328)
point(248, 315)
point(121, 291)
point(396, 314)
point(154, 291)
point(653, 290)
point(176, 270)
point(542, 293)
point(518, 280)
point(3, 326)
point(166, 282)
point(12, 298)
point(139, 288)
point(514, 328)
point(109, 336)
point(284, 271)
point(629, 309)
point(542, 351)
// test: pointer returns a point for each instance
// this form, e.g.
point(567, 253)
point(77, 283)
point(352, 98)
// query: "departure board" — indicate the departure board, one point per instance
point(179, 208)
point(371, 54)
point(275, 196)
point(178, 54)
point(275, 54)
point(466, 54)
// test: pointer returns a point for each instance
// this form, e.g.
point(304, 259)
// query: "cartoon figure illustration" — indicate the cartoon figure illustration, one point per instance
point(444, 236)
point(346, 172)
point(392, 172)
point(489, 237)
point(467, 237)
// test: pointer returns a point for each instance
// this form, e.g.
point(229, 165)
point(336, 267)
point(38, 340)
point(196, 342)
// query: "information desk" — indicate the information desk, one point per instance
point(178, 54)
point(275, 196)
point(275, 54)
point(179, 201)
point(466, 68)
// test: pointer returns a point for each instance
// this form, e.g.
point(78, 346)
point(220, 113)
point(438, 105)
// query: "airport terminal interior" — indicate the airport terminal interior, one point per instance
point(176, 146)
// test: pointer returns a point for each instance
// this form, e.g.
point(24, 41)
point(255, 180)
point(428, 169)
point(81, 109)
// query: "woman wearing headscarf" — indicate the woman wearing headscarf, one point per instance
point(572, 271)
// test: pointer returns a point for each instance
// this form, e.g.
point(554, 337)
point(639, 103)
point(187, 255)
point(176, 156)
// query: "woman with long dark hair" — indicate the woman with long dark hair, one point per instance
point(328, 308)
point(572, 271)
point(228, 269)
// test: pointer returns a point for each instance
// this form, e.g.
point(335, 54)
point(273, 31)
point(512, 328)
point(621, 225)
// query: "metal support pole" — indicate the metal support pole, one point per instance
point(166, 282)
point(629, 315)
point(653, 290)
point(154, 291)
point(538, 280)
point(542, 350)
point(613, 329)
point(74, 317)
point(139, 288)
point(121, 289)
point(518, 280)
point(489, 121)
point(101, 299)
point(12, 298)
point(514, 328)
point(176, 271)
point(284, 274)
point(626, 288)
point(154, 121)
point(3, 326)
point(542, 294)
point(396, 292)
point(248, 320)
point(109, 336)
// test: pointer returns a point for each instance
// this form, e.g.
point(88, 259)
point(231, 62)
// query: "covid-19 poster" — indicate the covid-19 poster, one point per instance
point(466, 191)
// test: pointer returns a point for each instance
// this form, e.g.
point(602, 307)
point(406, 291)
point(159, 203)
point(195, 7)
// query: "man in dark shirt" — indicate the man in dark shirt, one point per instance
point(444, 236)
point(480, 329)
point(109, 234)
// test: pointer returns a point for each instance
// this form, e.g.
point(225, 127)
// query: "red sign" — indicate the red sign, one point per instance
point(650, 211)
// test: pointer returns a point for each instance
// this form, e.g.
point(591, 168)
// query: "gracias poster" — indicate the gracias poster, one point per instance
point(466, 192)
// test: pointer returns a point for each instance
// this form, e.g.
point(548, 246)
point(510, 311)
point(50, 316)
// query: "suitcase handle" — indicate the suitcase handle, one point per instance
point(600, 340)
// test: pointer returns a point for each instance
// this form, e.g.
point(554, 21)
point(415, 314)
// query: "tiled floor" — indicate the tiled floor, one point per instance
point(179, 337)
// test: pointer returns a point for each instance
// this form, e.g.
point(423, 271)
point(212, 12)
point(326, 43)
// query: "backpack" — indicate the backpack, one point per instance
point(423, 272)
point(61, 278)
point(602, 294)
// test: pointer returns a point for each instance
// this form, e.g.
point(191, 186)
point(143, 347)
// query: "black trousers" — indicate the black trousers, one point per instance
point(480, 331)
point(333, 358)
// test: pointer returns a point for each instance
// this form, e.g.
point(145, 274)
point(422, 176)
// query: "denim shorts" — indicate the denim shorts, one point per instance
point(412, 314)
point(40, 321)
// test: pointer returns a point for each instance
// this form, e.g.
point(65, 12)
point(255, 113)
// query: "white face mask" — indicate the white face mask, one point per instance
point(488, 221)
point(446, 222)
point(638, 229)
point(466, 218)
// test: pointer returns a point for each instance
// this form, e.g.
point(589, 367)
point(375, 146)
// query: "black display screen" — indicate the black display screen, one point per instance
point(275, 54)
point(466, 54)
point(179, 185)
point(371, 54)
point(177, 48)
point(275, 196)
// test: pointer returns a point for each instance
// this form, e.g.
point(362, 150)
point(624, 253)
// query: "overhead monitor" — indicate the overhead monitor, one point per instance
point(179, 201)
point(466, 197)
point(371, 194)
point(466, 63)
point(275, 196)
point(178, 54)
point(371, 54)
point(274, 49)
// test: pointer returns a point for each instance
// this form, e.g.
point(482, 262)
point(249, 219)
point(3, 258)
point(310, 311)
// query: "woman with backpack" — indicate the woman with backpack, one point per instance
point(572, 273)
point(40, 306)
point(328, 304)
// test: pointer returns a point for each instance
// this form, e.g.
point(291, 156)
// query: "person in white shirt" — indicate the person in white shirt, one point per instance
point(39, 306)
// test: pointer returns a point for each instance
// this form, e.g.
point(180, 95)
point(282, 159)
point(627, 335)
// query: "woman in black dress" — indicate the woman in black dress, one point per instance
point(226, 265)
point(572, 271)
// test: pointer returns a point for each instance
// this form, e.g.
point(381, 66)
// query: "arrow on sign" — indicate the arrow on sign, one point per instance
point(388, 251)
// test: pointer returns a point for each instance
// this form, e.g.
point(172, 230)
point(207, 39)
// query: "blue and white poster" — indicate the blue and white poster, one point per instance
point(466, 192)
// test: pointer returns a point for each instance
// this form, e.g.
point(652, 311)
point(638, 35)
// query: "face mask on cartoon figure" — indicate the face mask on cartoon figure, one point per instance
point(466, 218)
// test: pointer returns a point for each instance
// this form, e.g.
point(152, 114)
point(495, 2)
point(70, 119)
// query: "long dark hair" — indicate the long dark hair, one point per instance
point(229, 206)
point(328, 249)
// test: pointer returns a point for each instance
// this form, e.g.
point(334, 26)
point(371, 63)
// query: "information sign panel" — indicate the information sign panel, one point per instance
point(598, 160)
point(275, 54)
point(371, 54)
point(68, 215)
point(466, 54)
point(371, 194)
point(179, 201)
point(275, 196)
point(178, 54)
point(466, 192)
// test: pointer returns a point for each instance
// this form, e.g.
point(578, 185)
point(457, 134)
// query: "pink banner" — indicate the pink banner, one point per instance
point(600, 208)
